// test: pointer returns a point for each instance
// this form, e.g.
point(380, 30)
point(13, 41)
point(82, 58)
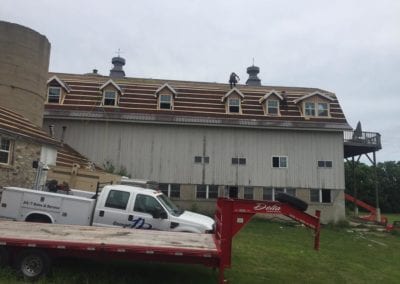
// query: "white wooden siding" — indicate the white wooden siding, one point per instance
point(165, 153)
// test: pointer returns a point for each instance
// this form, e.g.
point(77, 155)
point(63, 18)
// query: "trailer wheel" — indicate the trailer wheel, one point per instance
point(32, 264)
point(292, 200)
point(4, 256)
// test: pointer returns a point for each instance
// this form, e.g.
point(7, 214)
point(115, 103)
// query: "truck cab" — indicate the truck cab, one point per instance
point(134, 207)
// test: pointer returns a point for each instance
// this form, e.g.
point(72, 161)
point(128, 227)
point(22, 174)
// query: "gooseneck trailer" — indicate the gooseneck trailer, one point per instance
point(31, 246)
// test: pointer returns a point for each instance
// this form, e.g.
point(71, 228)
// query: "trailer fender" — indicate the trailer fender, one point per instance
point(39, 217)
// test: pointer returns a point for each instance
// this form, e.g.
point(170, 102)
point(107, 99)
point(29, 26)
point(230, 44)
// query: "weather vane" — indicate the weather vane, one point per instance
point(119, 52)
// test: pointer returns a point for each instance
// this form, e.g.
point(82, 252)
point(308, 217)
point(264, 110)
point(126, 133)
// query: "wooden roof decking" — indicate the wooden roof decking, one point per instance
point(16, 125)
point(193, 99)
point(67, 157)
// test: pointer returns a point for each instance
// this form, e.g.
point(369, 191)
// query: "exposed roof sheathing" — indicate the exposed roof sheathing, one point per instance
point(195, 101)
point(14, 124)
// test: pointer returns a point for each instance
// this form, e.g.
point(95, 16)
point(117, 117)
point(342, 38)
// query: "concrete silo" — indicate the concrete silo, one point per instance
point(24, 64)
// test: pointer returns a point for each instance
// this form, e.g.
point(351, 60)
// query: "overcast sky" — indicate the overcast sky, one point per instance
point(351, 48)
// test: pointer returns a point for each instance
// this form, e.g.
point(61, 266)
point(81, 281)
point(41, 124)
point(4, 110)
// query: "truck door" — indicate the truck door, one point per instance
point(149, 212)
point(114, 211)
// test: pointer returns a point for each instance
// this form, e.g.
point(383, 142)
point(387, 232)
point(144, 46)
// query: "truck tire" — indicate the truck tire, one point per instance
point(292, 200)
point(4, 256)
point(31, 264)
point(38, 218)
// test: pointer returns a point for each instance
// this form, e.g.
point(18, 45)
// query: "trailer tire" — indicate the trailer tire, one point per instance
point(38, 218)
point(4, 256)
point(292, 200)
point(31, 264)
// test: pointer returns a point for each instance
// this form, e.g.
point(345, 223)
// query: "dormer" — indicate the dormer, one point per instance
point(56, 90)
point(315, 104)
point(111, 93)
point(271, 103)
point(233, 101)
point(165, 97)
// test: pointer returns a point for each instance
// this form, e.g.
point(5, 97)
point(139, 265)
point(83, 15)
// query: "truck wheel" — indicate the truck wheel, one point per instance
point(292, 200)
point(4, 256)
point(32, 264)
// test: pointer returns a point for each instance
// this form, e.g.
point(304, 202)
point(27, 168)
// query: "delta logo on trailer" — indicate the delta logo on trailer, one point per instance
point(275, 208)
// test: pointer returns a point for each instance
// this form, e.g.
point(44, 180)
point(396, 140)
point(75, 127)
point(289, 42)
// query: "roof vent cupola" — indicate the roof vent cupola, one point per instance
point(253, 78)
point(117, 71)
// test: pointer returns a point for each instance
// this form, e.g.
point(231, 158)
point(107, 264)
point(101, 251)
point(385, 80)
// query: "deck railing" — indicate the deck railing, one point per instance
point(363, 138)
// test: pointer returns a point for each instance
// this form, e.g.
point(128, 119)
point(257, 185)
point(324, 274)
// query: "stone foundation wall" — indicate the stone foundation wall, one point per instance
point(20, 173)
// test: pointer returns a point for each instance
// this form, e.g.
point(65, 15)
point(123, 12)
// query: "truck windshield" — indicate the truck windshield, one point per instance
point(171, 207)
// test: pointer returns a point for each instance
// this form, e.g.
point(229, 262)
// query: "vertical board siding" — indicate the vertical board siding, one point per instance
point(165, 153)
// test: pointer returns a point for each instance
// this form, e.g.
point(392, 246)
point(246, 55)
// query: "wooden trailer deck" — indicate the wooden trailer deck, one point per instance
point(103, 238)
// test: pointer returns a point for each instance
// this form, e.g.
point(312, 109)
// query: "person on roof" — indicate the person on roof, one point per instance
point(232, 79)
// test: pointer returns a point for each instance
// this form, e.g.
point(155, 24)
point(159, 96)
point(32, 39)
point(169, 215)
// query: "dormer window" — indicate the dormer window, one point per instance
point(233, 100)
point(111, 93)
point(53, 95)
point(271, 102)
point(165, 97)
point(56, 90)
point(110, 98)
point(315, 105)
point(323, 109)
point(273, 107)
point(234, 105)
point(165, 102)
point(309, 109)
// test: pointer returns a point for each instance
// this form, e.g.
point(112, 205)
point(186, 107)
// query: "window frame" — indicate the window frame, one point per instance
point(230, 100)
point(276, 190)
point(252, 192)
point(7, 151)
point(170, 191)
point(280, 162)
point(112, 206)
point(59, 94)
point(324, 164)
point(170, 101)
point(318, 109)
point(207, 189)
point(268, 107)
point(321, 195)
point(307, 108)
point(115, 98)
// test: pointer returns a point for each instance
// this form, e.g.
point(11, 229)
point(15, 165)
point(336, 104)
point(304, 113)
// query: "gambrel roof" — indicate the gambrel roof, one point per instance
point(197, 103)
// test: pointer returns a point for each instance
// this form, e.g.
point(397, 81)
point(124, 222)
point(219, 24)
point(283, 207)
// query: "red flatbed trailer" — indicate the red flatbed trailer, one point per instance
point(32, 245)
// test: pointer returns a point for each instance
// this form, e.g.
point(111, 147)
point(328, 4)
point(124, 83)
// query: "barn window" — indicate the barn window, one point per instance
point(204, 191)
point(270, 193)
point(320, 195)
point(248, 193)
point(279, 162)
point(234, 105)
point(165, 102)
point(323, 109)
point(172, 190)
point(5, 151)
point(273, 107)
point(110, 98)
point(309, 109)
point(238, 161)
point(53, 95)
point(324, 164)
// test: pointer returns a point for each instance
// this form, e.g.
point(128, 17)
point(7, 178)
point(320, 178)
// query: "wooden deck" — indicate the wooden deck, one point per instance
point(102, 237)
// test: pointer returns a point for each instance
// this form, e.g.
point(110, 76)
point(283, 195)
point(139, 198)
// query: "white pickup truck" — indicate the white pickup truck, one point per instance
point(117, 205)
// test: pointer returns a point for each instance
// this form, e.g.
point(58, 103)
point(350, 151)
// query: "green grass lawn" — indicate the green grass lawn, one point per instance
point(264, 252)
